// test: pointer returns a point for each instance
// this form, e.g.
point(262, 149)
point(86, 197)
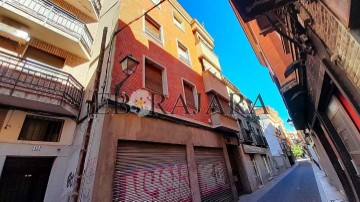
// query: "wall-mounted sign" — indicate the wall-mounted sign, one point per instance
point(254, 150)
point(36, 148)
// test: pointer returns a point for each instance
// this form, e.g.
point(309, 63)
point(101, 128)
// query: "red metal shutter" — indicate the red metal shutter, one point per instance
point(151, 172)
point(213, 175)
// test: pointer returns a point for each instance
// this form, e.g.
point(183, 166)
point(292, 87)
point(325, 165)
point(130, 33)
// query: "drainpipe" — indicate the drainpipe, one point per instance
point(92, 110)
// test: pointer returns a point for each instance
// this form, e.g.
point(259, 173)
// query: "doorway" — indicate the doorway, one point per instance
point(25, 179)
point(235, 162)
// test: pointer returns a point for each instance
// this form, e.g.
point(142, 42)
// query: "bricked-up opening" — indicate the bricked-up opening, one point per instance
point(189, 91)
point(153, 28)
point(153, 77)
point(43, 57)
point(37, 128)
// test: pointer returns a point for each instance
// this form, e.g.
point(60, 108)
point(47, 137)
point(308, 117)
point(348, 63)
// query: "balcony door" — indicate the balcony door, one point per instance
point(45, 58)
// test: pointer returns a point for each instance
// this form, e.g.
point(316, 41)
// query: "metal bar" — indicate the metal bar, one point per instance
point(39, 79)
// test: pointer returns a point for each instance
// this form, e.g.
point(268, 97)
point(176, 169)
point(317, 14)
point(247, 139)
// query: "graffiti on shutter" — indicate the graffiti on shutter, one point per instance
point(212, 175)
point(151, 172)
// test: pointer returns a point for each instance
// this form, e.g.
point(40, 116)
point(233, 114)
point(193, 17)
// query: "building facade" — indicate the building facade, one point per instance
point(172, 145)
point(276, 135)
point(48, 56)
point(311, 50)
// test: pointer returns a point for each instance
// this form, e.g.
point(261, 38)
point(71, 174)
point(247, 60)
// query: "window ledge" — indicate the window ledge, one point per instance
point(161, 41)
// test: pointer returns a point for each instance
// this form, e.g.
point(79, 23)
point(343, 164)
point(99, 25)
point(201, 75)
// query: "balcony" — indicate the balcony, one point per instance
point(245, 136)
point(224, 122)
point(30, 85)
point(51, 24)
point(205, 52)
point(250, 9)
point(260, 140)
point(213, 83)
point(91, 8)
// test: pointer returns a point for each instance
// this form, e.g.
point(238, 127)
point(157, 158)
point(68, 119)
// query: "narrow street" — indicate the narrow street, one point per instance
point(299, 185)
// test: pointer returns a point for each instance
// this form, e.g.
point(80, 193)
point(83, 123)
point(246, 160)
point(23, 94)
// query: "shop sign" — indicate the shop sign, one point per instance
point(254, 150)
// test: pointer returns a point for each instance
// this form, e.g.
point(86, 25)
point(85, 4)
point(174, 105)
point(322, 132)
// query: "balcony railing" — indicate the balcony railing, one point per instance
point(54, 16)
point(23, 75)
point(97, 5)
point(245, 136)
point(260, 140)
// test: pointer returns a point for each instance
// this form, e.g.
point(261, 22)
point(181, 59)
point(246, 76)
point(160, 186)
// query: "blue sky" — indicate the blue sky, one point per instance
point(238, 61)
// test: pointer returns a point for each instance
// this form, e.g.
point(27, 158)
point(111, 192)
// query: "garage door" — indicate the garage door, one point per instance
point(151, 172)
point(212, 175)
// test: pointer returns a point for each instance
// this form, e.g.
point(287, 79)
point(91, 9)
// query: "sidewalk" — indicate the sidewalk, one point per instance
point(328, 193)
point(256, 195)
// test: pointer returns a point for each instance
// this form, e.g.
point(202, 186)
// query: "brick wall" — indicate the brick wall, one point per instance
point(133, 40)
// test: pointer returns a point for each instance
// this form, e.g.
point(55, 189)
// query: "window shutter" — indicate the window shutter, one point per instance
point(225, 105)
point(44, 57)
point(183, 53)
point(189, 94)
point(153, 77)
point(152, 27)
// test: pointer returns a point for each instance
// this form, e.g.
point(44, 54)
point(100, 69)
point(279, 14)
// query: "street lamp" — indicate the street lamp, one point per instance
point(128, 66)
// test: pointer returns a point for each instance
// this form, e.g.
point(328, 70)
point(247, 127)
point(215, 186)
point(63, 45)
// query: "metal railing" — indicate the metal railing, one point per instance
point(245, 136)
point(260, 140)
point(20, 74)
point(55, 16)
point(97, 5)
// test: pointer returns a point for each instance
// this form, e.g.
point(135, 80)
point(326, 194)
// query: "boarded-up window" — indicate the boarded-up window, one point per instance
point(153, 77)
point(44, 57)
point(152, 28)
point(189, 94)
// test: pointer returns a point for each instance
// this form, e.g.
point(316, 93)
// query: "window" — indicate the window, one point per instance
point(153, 28)
point(154, 79)
point(189, 91)
point(225, 106)
point(183, 53)
point(156, 2)
point(38, 128)
point(43, 57)
point(178, 22)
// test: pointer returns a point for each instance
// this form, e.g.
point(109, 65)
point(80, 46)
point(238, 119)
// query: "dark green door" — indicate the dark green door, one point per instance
point(24, 179)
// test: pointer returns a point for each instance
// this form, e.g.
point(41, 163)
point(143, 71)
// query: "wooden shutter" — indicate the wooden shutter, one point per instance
point(189, 94)
point(212, 175)
point(151, 172)
point(152, 27)
point(153, 77)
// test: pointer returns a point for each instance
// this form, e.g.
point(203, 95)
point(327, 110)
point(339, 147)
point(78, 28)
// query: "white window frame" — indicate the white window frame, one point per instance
point(163, 74)
point(183, 80)
point(176, 21)
point(155, 2)
point(161, 40)
point(188, 53)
